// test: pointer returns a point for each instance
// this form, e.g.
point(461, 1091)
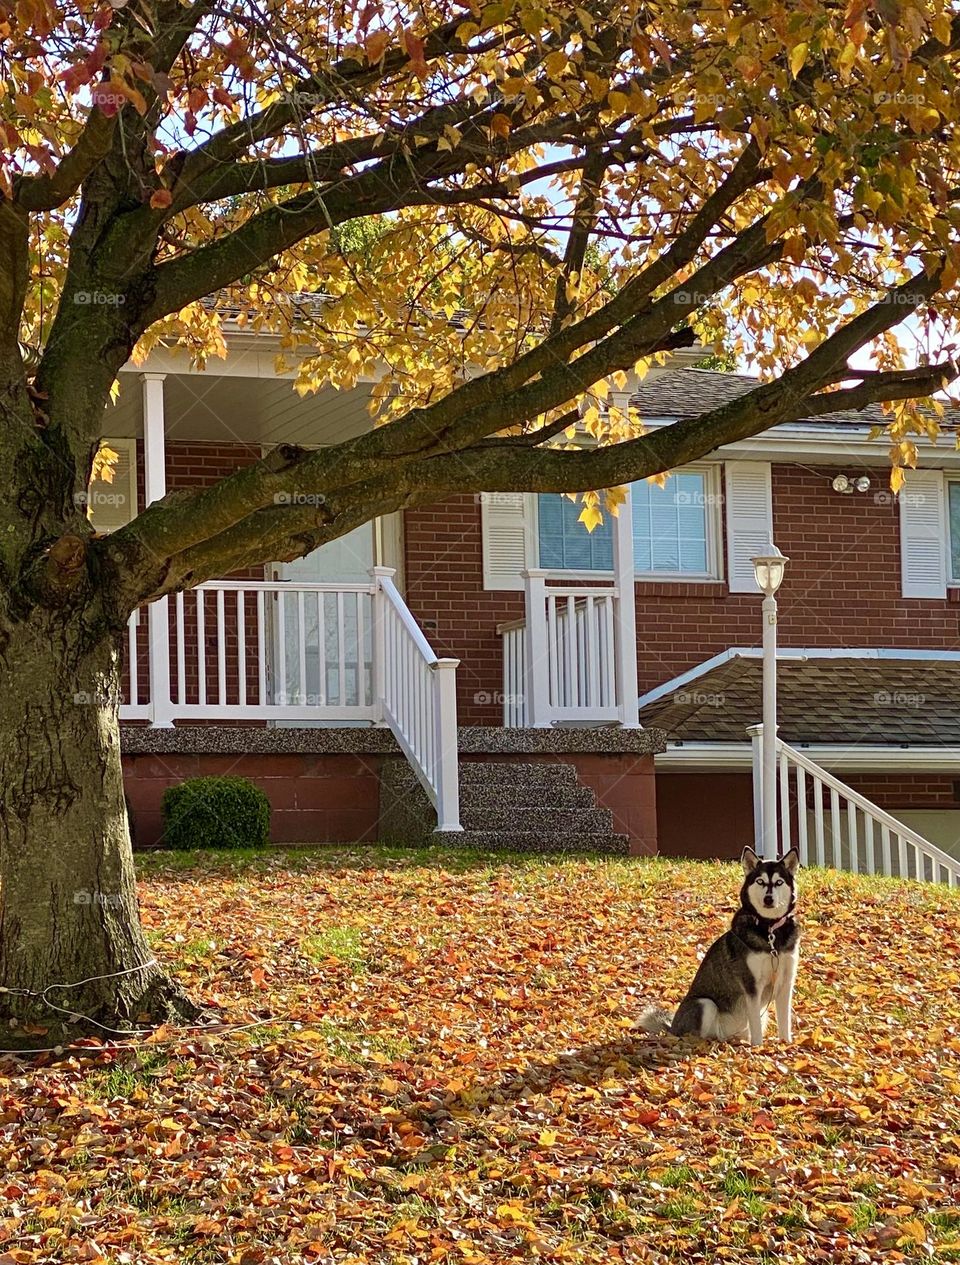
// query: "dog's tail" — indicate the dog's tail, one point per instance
point(655, 1021)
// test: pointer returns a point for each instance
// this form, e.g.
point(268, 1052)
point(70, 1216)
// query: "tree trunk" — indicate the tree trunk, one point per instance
point(70, 933)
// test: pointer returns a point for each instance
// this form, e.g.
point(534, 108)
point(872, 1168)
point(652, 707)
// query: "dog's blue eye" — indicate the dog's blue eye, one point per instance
point(779, 883)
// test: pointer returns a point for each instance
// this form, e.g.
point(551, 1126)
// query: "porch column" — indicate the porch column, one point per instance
point(536, 667)
point(155, 487)
point(626, 623)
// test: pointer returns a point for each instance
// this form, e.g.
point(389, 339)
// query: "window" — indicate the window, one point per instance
point(565, 544)
point(675, 529)
point(671, 525)
point(112, 500)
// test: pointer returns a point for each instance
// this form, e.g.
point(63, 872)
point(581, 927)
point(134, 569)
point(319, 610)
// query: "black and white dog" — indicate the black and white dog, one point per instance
point(752, 964)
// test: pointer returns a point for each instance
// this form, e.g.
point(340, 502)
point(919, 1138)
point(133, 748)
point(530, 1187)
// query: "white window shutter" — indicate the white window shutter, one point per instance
point(749, 520)
point(923, 535)
point(112, 505)
point(503, 525)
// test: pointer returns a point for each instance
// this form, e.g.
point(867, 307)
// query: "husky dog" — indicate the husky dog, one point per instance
point(752, 964)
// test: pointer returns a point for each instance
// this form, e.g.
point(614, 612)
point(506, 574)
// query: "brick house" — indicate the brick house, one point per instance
point(582, 669)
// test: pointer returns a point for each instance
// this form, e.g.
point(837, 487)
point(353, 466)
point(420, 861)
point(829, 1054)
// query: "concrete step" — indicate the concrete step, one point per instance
point(547, 820)
point(532, 841)
point(530, 774)
point(522, 795)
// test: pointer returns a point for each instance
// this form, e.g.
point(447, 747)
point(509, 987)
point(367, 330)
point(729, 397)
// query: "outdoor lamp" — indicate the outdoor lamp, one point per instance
point(768, 569)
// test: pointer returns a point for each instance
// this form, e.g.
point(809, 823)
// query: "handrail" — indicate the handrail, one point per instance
point(844, 823)
point(866, 806)
point(416, 694)
point(411, 627)
point(286, 586)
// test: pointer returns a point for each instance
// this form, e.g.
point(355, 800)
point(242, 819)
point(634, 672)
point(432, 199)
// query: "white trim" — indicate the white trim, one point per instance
point(865, 759)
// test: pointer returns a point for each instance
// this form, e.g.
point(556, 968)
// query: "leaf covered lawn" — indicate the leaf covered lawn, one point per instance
point(442, 1068)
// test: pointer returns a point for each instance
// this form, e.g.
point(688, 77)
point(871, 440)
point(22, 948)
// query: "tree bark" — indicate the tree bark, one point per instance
point(71, 942)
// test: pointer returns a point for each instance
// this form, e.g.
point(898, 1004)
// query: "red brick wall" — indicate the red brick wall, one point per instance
point(315, 798)
point(711, 814)
point(443, 571)
point(842, 589)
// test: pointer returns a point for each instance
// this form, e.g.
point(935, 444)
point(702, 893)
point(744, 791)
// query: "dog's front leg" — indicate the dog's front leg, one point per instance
point(783, 996)
point(755, 1020)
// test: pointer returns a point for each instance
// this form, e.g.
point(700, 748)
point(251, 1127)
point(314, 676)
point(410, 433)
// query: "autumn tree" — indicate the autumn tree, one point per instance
point(548, 197)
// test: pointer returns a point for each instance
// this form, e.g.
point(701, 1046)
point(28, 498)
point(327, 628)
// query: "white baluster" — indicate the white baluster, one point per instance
point(221, 648)
point(181, 650)
point(802, 843)
point(261, 648)
point(837, 837)
point(201, 649)
point(854, 841)
point(241, 649)
point(818, 821)
point(302, 651)
point(785, 830)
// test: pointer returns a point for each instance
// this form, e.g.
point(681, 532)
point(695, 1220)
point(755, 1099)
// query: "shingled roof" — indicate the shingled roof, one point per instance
point(858, 700)
point(690, 392)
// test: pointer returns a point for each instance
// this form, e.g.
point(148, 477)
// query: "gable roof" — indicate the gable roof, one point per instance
point(685, 393)
point(860, 701)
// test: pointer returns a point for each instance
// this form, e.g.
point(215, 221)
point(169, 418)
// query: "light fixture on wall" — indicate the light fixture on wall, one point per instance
point(843, 483)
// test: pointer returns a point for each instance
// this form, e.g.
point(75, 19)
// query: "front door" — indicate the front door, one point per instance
point(321, 640)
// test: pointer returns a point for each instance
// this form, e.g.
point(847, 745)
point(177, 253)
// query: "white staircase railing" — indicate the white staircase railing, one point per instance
point(417, 694)
point(293, 652)
point(831, 824)
point(573, 657)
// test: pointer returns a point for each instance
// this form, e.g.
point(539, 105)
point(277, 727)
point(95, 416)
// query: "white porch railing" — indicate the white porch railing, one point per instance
point(417, 693)
point(288, 652)
point(832, 824)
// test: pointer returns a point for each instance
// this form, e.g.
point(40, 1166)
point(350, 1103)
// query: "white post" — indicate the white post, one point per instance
point(756, 740)
point(768, 844)
point(448, 755)
point(625, 629)
point(378, 640)
point(536, 684)
point(155, 487)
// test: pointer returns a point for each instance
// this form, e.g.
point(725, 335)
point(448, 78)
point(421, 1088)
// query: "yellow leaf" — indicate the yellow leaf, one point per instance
point(797, 57)
point(548, 1137)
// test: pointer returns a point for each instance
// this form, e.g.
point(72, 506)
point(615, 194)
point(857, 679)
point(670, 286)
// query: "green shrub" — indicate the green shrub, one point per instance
point(216, 812)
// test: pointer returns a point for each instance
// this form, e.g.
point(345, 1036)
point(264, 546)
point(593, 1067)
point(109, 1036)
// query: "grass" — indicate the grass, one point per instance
point(431, 1055)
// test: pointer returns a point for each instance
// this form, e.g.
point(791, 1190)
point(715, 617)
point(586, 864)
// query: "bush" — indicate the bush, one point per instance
point(216, 812)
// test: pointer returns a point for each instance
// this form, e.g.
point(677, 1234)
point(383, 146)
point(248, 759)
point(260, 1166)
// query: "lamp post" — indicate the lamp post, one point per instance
point(768, 569)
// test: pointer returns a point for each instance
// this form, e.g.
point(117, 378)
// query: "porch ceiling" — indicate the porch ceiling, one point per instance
point(229, 408)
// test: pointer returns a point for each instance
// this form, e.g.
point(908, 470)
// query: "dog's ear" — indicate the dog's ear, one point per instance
point(791, 861)
point(749, 860)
